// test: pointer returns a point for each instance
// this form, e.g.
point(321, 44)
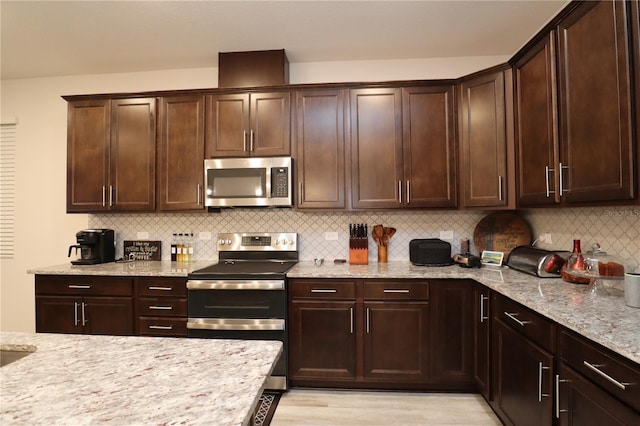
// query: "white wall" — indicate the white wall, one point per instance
point(43, 230)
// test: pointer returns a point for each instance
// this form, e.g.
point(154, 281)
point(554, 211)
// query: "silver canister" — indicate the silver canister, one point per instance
point(632, 289)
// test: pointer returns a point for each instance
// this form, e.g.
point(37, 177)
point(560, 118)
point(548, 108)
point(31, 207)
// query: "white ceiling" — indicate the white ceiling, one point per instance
point(53, 38)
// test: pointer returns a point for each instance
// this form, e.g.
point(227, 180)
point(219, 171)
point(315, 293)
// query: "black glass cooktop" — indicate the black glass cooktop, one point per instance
point(243, 268)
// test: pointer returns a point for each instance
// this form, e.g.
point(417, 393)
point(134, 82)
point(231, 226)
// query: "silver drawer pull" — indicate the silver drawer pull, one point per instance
point(513, 317)
point(160, 288)
point(541, 367)
point(595, 369)
point(324, 290)
point(161, 308)
point(80, 286)
point(242, 324)
point(392, 290)
point(160, 327)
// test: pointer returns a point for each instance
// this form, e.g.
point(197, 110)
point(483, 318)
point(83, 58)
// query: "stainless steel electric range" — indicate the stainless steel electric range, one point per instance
point(244, 295)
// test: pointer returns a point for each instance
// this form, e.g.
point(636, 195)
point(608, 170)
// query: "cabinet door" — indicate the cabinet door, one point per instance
point(376, 148)
point(132, 180)
point(581, 403)
point(483, 143)
point(108, 315)
point(320, 157)
point(536, 125)
point(595, 103)
point(88, 128)
point(227, 126)
point(322, 342)
point(270, 122)
point(58, 314)
point(452, 333)
point(481, 339)
point(181, 153)
point(523, 379)
point(396, 341)
point(428, 146)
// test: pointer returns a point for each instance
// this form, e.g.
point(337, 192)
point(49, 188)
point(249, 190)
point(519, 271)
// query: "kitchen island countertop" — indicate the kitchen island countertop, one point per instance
point(84, 379)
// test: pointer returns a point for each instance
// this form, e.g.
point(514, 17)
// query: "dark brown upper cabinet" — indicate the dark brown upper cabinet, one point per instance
point(485, 141)
point(320, 149)
point(575, 129)
point(402, 147)
point(248, 124)
point(111, 154)
point(181, 153)
point(429, 146)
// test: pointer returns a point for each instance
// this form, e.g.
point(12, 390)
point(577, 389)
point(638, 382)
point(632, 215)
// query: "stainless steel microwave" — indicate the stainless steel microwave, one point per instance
point(248, 182)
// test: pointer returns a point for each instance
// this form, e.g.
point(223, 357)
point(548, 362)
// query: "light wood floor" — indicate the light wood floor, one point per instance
point(339, 408)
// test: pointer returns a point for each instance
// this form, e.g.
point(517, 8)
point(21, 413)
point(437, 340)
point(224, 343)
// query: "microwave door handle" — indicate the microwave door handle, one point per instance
point(267, 184)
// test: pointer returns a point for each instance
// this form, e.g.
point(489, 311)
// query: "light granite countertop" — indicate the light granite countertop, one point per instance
point(603, 319)
point(82, 379)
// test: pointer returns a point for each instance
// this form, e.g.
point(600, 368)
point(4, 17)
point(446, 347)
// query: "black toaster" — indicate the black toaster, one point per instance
point(430, 252)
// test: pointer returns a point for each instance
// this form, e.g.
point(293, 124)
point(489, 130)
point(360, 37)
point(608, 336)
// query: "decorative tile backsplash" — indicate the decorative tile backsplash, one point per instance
point(617, 229)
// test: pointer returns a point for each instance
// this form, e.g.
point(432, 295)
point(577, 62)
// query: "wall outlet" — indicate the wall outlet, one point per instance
point(446, 235)
point(204, 236)
point(142, 235)
point(331, 236)
point(545, 238)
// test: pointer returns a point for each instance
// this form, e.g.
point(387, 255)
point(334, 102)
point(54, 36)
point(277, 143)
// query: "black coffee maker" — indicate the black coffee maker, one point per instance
point(95, 245)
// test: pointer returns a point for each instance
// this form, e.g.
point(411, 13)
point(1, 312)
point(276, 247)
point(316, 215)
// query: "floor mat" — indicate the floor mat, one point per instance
point(266, 408)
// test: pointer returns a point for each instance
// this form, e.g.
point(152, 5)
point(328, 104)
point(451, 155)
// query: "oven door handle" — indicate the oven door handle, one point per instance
point(235, 324)
point(235, 285)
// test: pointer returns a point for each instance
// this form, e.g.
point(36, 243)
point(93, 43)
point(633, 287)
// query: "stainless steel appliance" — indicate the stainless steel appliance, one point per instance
point(95, 245)
point(248, 182)
point(538, 262)
point(244, 295)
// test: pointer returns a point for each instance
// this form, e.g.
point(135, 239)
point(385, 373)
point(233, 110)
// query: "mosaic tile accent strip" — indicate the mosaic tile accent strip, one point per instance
point(617, 230)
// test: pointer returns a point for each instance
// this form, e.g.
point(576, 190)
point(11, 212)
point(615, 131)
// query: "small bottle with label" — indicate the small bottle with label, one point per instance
point(174, 248)
point(179, 249)
point(186, 247)
point(191, 247)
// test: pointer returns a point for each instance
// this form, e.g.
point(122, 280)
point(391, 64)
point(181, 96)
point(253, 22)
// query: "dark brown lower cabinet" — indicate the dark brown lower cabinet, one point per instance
point(161, 306)
point(84, 305)
point(481, 320)
point(581, 403)
point(523, 379)
point(396, 341)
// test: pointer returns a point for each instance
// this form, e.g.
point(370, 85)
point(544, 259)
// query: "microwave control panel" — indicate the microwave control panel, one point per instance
point(280, 182)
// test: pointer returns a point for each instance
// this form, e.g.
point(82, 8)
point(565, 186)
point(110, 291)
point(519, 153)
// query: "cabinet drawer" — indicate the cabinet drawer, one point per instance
point(84, 285)
point(398, 290)
point(162, 307)
point(617, 375)
point(151, 326)
point(158, 287)
point(528, 323)
point(322, 289)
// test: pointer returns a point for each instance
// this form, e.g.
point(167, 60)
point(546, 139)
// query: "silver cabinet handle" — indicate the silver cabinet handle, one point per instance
point(300, 193)
point(104, 195)
point(251, 142)
point(540, 394)
point(84, 318)
point(562, 168)
point(80, 286)
point(198, 194)
point(161, 308)
point(513, 317)
point(500, 188)
point(558, 410)
point(110, 195)
point(483, 318)
point(546, 180)
point(75, 313)
point(351, 314)
point(244, 140)
point(324, 290)
point(595, 369)
point(392, 290)
point(160, 288)
point(161, 327)
point(242, 324)
point(400, 192)
point(408, 195)
point(368, 320)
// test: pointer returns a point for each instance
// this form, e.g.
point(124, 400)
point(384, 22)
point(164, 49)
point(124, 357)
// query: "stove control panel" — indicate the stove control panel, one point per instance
point(258, 241)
